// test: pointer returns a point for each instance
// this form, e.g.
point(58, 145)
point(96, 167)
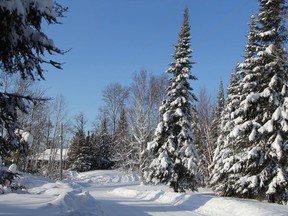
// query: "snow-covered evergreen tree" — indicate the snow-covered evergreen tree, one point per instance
point(223, 154)
point(79, 155)
point(175, 159)
point(258, 138)
point(104, 146)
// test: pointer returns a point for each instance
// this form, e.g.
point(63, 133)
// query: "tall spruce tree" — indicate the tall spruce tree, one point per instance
point(175, 159)
point(258, 140)
point(223, 154)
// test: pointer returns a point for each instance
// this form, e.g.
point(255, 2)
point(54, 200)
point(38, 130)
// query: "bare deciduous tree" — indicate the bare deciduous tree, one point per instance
point(205, 138)
point(147, 92)
point(114, 96)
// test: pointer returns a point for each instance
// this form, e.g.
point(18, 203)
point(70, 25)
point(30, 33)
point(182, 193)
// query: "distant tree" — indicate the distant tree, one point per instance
point(79, 154)
point(95, 149)
point(105, 146)
point(174, 157)
point(102, 147)
point(258, 140)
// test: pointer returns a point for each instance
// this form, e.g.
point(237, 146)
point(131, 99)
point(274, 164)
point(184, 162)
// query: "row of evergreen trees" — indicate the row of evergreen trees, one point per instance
point(251, 156)
point(101, 149)
point(249, 130)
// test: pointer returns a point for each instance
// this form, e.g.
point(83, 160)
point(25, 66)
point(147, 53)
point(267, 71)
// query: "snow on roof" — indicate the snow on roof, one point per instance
point(54, 153)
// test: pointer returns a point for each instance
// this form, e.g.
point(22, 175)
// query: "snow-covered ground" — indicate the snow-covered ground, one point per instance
point(106, 193)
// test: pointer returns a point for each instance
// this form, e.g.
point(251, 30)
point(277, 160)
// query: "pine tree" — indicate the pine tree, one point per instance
point(104, 155)
point(224, 152)
point(79, 157)
point(94, 141)
point(175, 159)
point(258, 137)
point(79, 154)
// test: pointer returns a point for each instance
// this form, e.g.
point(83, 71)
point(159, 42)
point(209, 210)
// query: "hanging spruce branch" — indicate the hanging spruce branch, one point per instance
point(23, 45)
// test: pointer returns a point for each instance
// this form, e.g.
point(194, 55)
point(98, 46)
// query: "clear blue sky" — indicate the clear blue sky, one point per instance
point(113, 39)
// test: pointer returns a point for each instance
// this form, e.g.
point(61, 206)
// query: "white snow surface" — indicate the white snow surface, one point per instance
point(114, 192)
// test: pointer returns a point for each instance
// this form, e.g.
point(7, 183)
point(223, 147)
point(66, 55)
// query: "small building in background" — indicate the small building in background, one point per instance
point(50, 156)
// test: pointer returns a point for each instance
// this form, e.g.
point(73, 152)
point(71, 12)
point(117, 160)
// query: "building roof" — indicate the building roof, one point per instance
point(54, 153)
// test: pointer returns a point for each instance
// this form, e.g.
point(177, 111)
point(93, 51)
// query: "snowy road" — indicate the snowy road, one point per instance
point(116, 202)
point(115, 193)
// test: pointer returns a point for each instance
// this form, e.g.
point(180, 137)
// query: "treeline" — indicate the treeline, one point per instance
point(127, 123)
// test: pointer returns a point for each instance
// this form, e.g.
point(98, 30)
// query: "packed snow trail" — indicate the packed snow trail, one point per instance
point(105, 187)
point(121, 206)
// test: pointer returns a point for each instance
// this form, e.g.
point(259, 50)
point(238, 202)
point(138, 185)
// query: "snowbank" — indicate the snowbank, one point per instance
point(46, 197)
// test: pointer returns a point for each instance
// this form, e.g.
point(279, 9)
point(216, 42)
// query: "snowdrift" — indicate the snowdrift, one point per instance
point(46, 197)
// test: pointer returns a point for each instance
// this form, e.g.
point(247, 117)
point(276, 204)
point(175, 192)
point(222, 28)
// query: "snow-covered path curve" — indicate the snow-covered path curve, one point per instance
point(116, 195)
